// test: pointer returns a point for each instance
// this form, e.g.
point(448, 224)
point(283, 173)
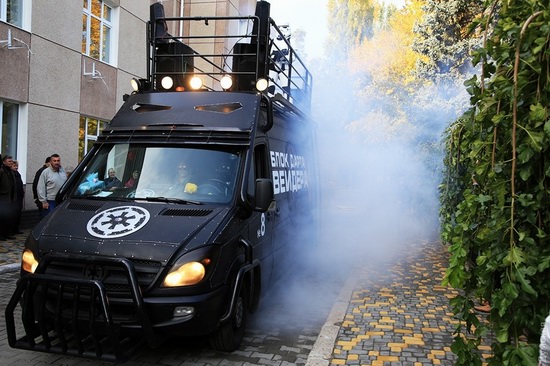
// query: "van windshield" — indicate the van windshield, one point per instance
point(128, 171)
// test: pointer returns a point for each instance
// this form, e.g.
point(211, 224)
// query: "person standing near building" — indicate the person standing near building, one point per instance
point(20, 192)
point(35, 184)
point(50, 182)
point(8, 198)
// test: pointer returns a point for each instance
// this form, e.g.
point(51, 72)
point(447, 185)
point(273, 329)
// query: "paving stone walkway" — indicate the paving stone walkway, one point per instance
point(11, 249)
point(399, 313)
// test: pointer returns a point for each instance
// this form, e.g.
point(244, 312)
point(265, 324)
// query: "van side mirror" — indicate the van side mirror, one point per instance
point(264, 194)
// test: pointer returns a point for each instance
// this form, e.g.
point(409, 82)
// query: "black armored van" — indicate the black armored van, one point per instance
point(188, 204)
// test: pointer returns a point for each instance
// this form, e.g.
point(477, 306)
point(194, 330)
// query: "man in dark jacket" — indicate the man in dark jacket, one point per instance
point(35, 184)
point(8, 198)
point(20, 191)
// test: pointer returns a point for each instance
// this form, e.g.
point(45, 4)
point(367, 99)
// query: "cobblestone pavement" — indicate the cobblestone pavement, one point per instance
point(399, 313)
point(390, 311)
point(10, 251)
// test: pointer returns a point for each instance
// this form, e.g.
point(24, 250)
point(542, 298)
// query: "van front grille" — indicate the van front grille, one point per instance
point(113, 277)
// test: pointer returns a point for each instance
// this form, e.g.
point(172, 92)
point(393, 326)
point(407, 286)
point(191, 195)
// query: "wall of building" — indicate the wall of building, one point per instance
point(55, 84)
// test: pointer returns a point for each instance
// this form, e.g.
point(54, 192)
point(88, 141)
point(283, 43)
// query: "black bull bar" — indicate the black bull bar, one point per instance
point(72, 330)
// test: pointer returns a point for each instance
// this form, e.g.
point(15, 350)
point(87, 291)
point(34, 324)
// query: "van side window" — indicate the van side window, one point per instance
point(260, 167)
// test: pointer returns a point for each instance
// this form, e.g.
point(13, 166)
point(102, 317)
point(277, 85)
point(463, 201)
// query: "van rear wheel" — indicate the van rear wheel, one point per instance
point(229, 335)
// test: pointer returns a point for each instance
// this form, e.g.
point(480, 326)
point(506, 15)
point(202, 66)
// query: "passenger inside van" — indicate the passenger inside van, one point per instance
point(132, 182)
point(112, 182)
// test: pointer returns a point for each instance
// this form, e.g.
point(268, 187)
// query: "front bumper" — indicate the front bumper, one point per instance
point(77, 317)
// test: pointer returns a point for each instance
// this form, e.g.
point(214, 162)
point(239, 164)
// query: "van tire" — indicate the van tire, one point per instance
point(229, 335)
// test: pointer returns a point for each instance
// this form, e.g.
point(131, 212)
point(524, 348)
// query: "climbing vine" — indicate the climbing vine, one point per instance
point(495, 197)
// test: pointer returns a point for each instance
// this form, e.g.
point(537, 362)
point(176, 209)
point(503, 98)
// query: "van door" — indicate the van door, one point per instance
point(261, 223)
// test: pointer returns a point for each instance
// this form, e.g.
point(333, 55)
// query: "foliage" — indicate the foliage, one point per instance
point(495, 198)
point(443, 36)
point(397, 104)
point(351, 22)
point(387, 57)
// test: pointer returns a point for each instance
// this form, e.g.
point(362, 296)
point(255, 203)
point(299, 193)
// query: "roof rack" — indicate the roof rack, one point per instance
point(225, 54)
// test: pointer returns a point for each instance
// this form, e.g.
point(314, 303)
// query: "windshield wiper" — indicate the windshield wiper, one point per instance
point(173, 200)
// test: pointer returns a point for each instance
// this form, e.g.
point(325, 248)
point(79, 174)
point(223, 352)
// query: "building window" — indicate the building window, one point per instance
point(97, 29)
point(90, 129)
point(9, 118)
point(11, 11)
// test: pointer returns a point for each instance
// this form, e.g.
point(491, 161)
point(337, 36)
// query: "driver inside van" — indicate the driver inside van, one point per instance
point(184, 180)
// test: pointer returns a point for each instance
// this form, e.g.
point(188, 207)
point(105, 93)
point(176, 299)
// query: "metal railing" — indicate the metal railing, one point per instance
point(213, 47)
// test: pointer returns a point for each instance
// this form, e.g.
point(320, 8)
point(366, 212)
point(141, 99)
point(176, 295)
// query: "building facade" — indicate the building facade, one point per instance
point(65, 66)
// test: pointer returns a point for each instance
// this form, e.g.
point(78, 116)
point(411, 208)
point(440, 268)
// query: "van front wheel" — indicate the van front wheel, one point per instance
point(229, 335)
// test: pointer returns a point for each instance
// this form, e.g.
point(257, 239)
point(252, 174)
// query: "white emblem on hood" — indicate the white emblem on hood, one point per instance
point(118, 221)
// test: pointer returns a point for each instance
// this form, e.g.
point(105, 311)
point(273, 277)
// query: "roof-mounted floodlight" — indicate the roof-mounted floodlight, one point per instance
point(261, 85)
point(195, 83)
point(135, 84)
point(167, 82)
point(139, 84)
point(226, 82)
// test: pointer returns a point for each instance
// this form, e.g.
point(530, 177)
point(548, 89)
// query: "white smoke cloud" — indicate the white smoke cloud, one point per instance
point(379, 173)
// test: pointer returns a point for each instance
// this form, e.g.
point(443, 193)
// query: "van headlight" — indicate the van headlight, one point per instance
point(187, 272)
point(185, 275)
point(28, 261)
